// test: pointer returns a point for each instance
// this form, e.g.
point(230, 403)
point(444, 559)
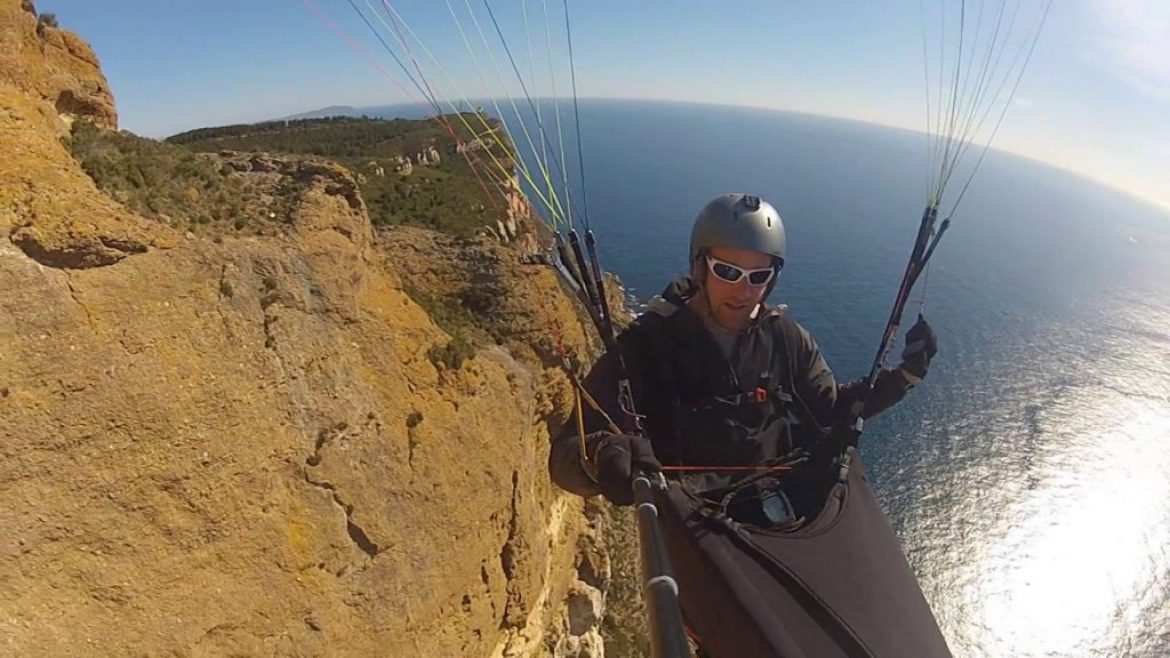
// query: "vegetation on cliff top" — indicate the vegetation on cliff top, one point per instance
point(170, 183)
point(333, 137)
point(443, 195)
point(181, 182)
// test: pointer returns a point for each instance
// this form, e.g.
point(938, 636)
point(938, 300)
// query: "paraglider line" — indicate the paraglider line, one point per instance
point(576, 116)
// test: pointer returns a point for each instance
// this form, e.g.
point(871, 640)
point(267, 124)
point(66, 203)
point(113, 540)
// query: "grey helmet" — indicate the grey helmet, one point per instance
point(739, 221)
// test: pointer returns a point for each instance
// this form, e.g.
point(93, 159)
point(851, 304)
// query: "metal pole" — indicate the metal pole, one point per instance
point(668, 637)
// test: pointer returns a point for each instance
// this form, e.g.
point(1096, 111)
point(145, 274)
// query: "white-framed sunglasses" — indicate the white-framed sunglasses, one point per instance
point(732, 273)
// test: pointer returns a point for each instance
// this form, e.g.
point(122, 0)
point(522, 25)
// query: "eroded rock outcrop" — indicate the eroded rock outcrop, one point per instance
point(53, 65)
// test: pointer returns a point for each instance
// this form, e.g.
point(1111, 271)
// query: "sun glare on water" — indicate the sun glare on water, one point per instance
point(1043, 530)
point(1086, 555)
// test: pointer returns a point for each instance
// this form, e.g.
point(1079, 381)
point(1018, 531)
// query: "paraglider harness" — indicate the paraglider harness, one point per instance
point(752, 491)
point(759, 494)
point(761, 498)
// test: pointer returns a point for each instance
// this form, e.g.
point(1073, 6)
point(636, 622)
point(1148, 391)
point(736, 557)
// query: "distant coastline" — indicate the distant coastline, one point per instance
point(416, 111)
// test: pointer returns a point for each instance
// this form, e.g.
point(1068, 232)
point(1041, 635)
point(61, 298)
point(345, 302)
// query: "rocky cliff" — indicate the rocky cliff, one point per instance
point(52, 65)
point(251, 444)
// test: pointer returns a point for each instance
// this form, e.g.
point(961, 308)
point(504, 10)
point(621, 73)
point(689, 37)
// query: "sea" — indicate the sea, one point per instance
point(1028, 476)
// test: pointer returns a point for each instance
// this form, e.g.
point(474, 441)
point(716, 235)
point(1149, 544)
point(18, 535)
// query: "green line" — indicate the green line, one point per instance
point(511, 101)
point(488, 129)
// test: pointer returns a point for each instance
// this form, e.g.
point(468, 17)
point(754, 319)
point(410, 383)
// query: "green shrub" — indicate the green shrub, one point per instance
point(453, 354)
point(449, 313)
point(155, 179)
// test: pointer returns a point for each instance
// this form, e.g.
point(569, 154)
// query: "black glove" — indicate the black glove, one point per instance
point(618, 457)
point(921, 346)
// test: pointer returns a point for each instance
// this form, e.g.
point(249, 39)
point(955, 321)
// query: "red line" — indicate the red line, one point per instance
point(716, 469)
point(390, 13)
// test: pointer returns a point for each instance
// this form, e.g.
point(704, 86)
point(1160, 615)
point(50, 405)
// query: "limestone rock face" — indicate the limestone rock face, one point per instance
point(521, 303)
point(244, 446)
point(53, 65)
point(403, 166)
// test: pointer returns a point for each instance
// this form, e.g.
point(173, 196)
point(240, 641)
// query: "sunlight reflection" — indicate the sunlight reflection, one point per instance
point(1061, 579)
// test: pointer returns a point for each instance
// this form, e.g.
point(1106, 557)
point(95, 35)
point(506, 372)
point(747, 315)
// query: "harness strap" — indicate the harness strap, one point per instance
point(758, 395)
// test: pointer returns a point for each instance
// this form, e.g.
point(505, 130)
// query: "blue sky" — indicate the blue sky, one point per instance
point(1096, 98)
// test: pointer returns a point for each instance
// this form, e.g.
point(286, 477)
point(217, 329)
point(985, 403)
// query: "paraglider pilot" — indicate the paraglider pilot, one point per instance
point(725, 384)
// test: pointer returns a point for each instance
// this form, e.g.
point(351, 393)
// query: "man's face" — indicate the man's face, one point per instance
point(732, 303)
